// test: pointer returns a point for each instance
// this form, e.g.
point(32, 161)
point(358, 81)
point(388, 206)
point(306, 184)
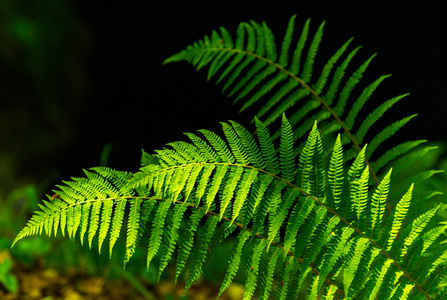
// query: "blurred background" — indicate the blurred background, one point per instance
point(81, 85)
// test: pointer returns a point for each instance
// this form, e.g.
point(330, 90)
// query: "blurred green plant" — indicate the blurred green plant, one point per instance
point(8, 280)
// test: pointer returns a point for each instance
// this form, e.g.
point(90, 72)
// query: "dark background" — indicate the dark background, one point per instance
point(119, 94)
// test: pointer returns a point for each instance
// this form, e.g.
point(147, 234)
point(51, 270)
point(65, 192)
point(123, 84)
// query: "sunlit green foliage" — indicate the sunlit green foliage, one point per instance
point(316, 221)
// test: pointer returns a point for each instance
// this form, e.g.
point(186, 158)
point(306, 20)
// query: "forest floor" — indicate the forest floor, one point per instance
point(49, 284)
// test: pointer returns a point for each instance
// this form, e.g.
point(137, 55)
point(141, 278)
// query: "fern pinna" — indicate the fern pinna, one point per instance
point(313, 230)
point(273, 82)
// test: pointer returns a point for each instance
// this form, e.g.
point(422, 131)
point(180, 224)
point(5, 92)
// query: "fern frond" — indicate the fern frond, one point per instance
point(285, 81)
point(295, 219)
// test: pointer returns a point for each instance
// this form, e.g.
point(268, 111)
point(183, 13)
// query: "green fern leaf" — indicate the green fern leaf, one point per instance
point(399, 215)
point(117, 222)
point(302, 209)
point(289, 198)
point(94, 221)
point(334, 253)
point(267, 274)
point(360, 199)
point(378, 204)
point(208, 152)
point(430, 237)
point(416, 228)
point(230, 187)
point(318, 239)
point(375, 115)
point(267, 203)
point(362, 99)
point(313, 292)
point(306, 166)
point(379, 279)
point(235, 144)
point(311, 53)
point(267, 148)
point(349, 86)
point(233, 263)
point(84, 221)
point(254, 202)
point(388, 132)
point(284, 57)
point(307, 230)
point(200, 191)
point(351, 268)
point(132, 228)
point(322, 80)
point(253, 269)
point(248, 179)
point(284, 277)
point(200, 252)
point(406, 149)
point(172, 237)
point(286, 157)
point(157, 231)
point(339, 75)
point(218, 177)
point(250, 146)
point(330, 293)
point(105, 222)
point(186, 241)
point(335, 175)
point(218, 146)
